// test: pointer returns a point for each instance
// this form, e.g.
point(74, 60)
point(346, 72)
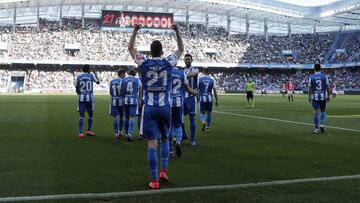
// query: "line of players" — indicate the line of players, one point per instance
point(127, 100)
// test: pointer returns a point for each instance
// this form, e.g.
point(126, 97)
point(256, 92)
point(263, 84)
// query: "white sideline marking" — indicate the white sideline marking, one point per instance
point(284, 121)
point(174, 190)
point(343, 116)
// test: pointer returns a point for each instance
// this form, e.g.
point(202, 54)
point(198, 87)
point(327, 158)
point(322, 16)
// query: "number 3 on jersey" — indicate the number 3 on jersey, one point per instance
point(318, 85)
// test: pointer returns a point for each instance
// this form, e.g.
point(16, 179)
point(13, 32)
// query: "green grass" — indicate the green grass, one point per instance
point(40, 153)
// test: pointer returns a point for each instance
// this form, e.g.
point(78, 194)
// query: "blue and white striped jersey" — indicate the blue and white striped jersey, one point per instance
point(193, 80)
point(178, 81)
point(156, 78)
point(84, 86)
point(206, 86)
point(115, 92)
point(130, 86)
point(318, 83)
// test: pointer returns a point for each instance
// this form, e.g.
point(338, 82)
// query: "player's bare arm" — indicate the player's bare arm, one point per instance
point(179, 40)
point(191, 91)
point(131, 47)
point(96, 77)
point(309, 92)
point(216, 97)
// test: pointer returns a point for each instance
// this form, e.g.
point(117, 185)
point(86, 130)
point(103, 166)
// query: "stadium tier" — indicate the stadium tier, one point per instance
point(71, 42)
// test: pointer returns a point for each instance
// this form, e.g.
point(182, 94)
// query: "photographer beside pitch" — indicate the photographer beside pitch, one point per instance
point(319, 94)
point(156, 113)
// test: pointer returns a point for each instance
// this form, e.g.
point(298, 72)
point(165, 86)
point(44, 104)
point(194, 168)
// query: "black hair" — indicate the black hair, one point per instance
point(206, 70)
point(121, 71)
point(156, 48)
point(86, 68)
point(132, 72)
point(317, 67)
point(188, 55)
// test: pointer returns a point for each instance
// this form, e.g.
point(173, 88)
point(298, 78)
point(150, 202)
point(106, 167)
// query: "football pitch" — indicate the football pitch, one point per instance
point(40, 153)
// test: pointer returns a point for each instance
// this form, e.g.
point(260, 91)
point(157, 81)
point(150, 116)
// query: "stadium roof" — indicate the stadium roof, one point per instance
point(329, 17)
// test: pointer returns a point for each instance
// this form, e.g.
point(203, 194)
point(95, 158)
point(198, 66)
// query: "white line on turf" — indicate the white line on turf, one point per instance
point(343, 116)
point(284, 121)
point(175, 190)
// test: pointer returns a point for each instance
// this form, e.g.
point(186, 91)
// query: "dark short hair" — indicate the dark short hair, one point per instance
point(86, 68)
point(317, 67)
point(132, 72)
point(156, 48)
point(188, 55)
point(206, 70)
point(121, 71)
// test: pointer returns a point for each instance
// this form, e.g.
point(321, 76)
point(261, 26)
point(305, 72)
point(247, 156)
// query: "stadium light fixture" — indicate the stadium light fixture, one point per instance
point(257, 6)
point(13, 1)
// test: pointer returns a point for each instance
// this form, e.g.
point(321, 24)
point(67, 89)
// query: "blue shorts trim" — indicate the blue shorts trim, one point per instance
point(155, 120)
point(85, 107)
point(176, 117)
point(318, 104)
point(206, 107)
point(190, 104)
point(131, 110)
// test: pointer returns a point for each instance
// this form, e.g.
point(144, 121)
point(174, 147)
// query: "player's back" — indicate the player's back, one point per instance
point(177, 92)
point(206, 85)
point(192, 80)
point(130, 86)
point(156, 80)
point(319, 82)
point(84, 85)
point(115, 92)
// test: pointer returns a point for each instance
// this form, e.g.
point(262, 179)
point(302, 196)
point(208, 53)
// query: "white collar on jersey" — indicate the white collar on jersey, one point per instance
point(317, 72)
point(157, 58)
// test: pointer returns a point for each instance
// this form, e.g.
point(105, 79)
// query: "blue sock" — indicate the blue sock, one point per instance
point(153, 163)
point(208, 120)
point(131, 126)
point(81, 124)
point(184, 135)
point(202, 118)
point(90, 122)
point(316, 120)
point(116, 125)
point(322, 118)
point(192, 127)
point(121, 123)
point(178, 133)
point(164, 154)
point(126, 126)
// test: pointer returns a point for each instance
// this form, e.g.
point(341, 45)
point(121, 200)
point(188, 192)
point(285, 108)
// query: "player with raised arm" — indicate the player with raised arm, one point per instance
point(190, 102)
point(132, 90)
point(116, 103)
point(207, 86)
point(156, 76)
point(250, 90)
point(290, 90)
point(319, 94)
point(84, 90)
point(179, 86)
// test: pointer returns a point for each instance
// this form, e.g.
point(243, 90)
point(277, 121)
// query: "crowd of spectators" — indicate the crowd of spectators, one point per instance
point(235, 80)
point(343, 79)
point(4, 78)
point(209, 45)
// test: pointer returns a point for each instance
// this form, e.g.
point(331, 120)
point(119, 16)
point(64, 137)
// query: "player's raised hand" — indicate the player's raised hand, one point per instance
point(175, 27)
point(137, 27)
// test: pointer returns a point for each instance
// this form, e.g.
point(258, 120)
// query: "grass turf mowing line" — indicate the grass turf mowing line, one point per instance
point(175, 190)
point(285, 121)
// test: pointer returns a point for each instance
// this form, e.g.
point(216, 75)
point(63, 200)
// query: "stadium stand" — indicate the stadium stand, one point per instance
point(212, 45)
